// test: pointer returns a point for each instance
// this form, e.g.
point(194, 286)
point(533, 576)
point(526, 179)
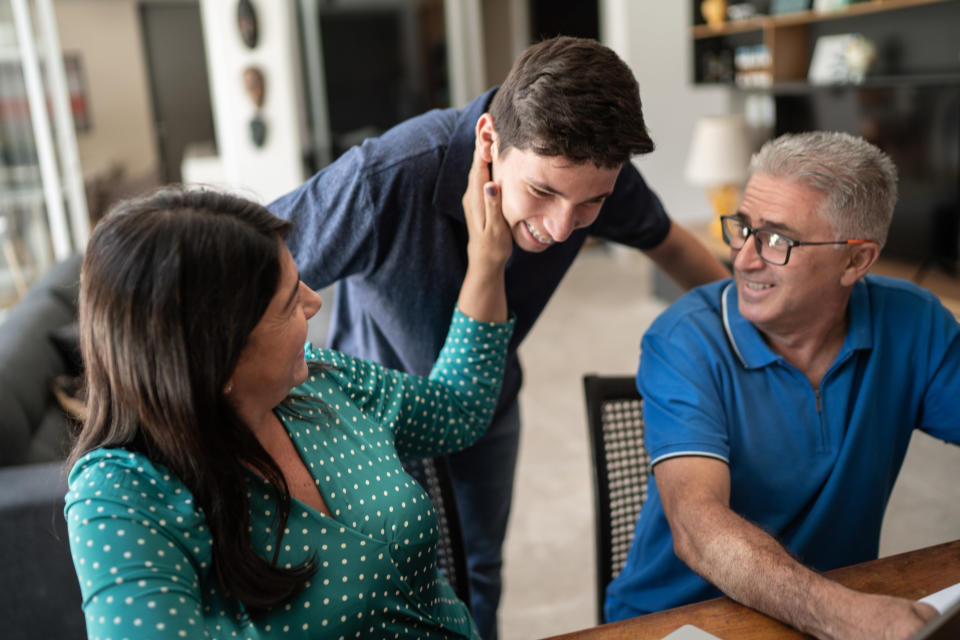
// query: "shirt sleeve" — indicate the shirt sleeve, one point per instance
point(135, 556)
point(940, 414)
point(445, 412)
point(336, 225)
point(682, 408)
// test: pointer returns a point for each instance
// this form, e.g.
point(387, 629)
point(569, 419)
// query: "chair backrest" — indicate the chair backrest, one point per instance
point(621, 469)
point(434, 475)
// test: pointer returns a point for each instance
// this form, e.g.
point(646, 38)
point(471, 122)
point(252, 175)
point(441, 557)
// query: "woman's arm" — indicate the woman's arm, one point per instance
point(453, 407)
point(137, 570)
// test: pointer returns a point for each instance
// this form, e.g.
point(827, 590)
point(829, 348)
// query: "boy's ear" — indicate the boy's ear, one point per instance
point(486, 137)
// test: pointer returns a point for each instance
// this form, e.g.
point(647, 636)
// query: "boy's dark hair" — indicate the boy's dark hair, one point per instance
point(571, 97)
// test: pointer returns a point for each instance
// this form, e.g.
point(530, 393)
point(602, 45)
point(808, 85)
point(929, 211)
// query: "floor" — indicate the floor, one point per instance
point(593, 324)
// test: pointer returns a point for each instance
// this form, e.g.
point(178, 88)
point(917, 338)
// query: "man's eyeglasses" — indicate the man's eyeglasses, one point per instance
point(772, 246)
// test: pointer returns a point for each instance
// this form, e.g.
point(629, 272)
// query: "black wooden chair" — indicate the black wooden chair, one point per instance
point(434, 475)
point(621, 469)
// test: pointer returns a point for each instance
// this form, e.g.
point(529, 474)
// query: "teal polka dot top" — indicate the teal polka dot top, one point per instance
point(143, 553)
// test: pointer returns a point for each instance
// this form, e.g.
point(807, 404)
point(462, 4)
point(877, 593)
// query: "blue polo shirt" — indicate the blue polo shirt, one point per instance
point(814, 467)
point(386, 222)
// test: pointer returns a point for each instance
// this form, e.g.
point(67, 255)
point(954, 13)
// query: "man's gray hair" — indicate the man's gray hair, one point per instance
point(858, 180)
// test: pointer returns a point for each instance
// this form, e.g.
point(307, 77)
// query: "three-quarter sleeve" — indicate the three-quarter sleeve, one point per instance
point(443, 413)
point(138, 551)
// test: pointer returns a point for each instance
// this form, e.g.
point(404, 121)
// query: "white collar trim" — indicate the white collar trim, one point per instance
point(726, 323)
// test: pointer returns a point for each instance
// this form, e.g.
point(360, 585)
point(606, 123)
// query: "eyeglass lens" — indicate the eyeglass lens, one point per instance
point(772, 247)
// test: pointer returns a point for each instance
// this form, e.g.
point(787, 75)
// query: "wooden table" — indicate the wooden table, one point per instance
point(913, 575)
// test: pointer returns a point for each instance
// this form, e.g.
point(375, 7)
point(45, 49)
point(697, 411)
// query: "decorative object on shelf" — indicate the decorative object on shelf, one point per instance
point(247, 23)
point(826, 6)
point(717, 160)
point(753, 66)
point(859, 53)
point(258, 130)
point(841, 58)
point(714, 12)
point(742, 11)
point(788, 6)
point(717, 66)
point(255, 86)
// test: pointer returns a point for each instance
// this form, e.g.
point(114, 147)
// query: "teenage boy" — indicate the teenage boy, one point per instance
point(386, 222)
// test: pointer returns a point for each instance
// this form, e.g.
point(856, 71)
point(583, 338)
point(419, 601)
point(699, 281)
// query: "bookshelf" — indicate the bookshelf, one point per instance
point(915, 39)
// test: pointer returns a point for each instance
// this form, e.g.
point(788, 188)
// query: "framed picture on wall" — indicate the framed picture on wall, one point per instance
point(14, 110)
point(77, 87)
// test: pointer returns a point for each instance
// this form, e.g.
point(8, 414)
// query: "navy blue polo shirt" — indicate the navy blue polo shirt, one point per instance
point(814, 467)
point(386, 222)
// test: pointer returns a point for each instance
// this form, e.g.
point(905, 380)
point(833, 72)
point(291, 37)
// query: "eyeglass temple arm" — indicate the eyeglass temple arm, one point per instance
point(797, 243)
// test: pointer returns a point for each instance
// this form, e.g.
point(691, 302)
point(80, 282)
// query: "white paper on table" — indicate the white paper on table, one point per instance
point(943, 599)
point(690, 632)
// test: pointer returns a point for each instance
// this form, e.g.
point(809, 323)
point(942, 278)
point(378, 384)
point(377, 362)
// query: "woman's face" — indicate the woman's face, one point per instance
point(272, 362)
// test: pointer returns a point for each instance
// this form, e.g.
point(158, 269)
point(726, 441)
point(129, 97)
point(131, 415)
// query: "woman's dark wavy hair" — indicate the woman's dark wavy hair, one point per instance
point(574, 98)
point(171, 287)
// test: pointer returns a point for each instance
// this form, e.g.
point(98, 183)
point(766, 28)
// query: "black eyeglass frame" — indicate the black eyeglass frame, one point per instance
point(791, 243)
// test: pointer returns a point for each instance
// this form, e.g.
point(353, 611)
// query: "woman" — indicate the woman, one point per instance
point(231, 482)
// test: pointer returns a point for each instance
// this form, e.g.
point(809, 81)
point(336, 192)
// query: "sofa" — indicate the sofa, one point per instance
point(41, 597)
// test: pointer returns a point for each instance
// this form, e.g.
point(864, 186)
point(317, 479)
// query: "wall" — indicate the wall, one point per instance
point(653, 38)
point(267, 172)
point(106, 34)
point(506, 29)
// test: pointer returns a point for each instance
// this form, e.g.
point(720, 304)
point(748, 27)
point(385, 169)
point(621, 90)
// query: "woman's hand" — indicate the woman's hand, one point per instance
point(490, 244)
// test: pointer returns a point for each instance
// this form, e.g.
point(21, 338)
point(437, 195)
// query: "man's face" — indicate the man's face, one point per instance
point(545, 199)
point(793, 296)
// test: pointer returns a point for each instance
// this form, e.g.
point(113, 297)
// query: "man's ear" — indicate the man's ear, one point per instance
point(861, 258)
point(486, 137)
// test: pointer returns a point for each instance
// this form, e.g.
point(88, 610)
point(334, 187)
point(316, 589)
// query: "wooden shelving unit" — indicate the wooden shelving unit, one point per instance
point(918, 43)
point(789, 37)
point(806, 17)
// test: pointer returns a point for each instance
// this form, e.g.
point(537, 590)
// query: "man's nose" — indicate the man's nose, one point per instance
point(748, 256)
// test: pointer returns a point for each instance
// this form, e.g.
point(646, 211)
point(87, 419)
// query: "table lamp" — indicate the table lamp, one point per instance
point(718, 158)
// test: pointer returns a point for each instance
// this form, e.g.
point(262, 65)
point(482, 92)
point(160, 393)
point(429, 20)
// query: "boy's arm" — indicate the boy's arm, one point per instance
point(686, 260)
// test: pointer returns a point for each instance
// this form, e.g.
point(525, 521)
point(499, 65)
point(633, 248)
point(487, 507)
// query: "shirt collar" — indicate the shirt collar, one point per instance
point(455, 169)
point(752, 350)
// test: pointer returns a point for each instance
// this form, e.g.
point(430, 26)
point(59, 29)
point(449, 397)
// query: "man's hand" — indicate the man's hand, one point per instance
point(490, 242)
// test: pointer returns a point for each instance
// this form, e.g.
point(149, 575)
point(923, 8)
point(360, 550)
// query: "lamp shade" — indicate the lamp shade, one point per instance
point(719, 151)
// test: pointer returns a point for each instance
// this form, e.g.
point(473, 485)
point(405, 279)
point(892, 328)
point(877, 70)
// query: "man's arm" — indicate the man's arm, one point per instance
point(686, 260)
point(751, 567)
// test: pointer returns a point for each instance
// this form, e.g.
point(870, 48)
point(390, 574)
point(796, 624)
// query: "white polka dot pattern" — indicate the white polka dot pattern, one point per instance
point(143, 553)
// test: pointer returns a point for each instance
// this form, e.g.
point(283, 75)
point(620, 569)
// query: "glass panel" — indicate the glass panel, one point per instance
point(43, 214)
point(24, 234)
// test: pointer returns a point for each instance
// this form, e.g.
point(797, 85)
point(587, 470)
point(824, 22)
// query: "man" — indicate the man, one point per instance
point(779, 405)
point(386, 221)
